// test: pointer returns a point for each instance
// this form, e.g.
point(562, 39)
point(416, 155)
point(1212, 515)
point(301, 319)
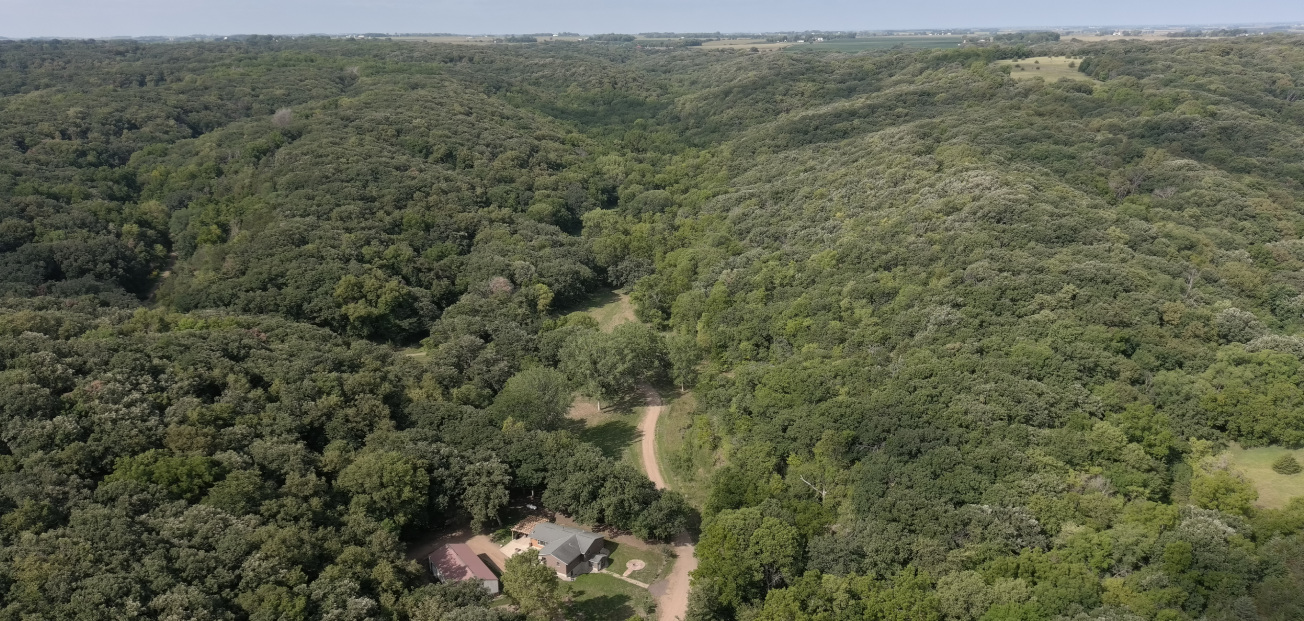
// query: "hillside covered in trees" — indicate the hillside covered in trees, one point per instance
point(966, 348)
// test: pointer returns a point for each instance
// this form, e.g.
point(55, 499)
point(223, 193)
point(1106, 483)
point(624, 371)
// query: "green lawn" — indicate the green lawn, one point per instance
point(1275, 490)
point(622, 554)
point(603, 597)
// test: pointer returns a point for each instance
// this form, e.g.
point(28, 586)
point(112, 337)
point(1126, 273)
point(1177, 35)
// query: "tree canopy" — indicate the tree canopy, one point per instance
point(964, 347)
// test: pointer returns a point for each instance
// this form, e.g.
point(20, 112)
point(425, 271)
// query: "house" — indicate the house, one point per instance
point(569, 551)
point(455, 562)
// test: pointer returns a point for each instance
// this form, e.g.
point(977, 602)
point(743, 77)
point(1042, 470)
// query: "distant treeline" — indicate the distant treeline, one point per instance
point(686, 35)
point(673, 43)
point(1221, 32)
point(1041, 36)
point(618, 38)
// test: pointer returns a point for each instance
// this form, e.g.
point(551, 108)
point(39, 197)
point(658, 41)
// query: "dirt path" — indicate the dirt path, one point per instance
point(672, 604)
point(648, 426)
point(671, 593)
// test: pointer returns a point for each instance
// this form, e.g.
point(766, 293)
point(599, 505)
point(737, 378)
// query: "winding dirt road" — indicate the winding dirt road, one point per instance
point(671, 593)
point(648, 427)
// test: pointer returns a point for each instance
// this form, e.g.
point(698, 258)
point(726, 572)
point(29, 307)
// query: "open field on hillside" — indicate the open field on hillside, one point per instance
point(1275, 490)
point(1049, 68)
point(759, 44)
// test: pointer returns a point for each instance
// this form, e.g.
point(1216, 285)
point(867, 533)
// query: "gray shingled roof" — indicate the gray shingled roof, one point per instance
point(562, 542)
point(565, 550)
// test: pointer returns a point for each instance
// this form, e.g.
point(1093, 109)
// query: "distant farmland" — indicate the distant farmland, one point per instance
point(879, 43)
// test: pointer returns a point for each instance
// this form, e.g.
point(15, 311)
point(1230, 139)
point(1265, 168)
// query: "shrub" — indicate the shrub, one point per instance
point(1287, 464)
point(501, 536)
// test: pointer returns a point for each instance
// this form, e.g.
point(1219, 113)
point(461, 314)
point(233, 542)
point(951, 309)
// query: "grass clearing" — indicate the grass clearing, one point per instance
point(610, 309)
point(613, 429)
point(599, 596)
point(672, 432)
point(413, 352)
point(1048, 68)
point(1275, 490)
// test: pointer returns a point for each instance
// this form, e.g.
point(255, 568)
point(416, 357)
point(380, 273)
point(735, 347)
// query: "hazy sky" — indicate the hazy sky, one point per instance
point(100, 18)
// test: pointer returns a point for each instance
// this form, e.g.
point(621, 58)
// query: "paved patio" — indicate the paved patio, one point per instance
point(515, 546)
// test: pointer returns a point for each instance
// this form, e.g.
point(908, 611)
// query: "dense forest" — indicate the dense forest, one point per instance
point(965, 347)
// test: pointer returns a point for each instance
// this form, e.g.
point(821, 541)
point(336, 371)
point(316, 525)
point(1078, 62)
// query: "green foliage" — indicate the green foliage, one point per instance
point(684, 356)
point(608, 366)
point(533, 586)
point(184, 477)
point(1286, 464)
point(486, 491)
point(386, 486)
point(538, 396)
point(964, 342)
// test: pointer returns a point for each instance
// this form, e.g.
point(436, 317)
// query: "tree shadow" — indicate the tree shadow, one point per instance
point(596, 299)
point(626, 403)
point(604, 607)
point(611, 437)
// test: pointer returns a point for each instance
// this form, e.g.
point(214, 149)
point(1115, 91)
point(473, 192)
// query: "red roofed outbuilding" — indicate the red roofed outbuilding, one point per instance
point(455, 562)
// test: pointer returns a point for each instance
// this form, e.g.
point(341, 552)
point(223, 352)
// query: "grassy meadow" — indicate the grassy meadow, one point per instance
point(1049, 68)
point(1275, 490)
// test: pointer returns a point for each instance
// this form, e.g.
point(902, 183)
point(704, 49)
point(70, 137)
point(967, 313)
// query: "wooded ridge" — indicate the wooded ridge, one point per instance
point(964, 347)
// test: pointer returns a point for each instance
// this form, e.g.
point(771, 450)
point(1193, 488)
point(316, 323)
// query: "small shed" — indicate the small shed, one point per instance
point(455, 562)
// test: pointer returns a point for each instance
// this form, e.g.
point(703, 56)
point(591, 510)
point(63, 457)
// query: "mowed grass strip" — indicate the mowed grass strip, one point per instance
point(1275, 490)
point(672, 428)
point(1048, 68)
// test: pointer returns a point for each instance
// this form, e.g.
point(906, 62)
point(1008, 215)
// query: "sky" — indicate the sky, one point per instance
point(104, 18)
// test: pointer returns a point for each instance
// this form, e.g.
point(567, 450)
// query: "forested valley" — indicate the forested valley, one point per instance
point(964, 346)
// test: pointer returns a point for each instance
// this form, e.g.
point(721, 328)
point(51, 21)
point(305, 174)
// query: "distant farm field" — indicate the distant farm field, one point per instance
point(879, 43)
